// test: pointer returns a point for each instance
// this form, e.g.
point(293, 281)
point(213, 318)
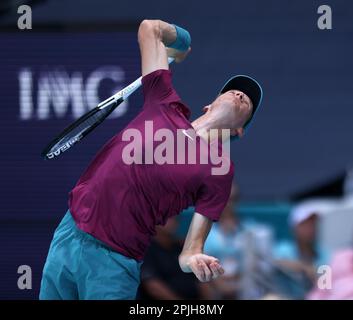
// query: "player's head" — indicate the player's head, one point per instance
point(236, 104)
point(231, 110)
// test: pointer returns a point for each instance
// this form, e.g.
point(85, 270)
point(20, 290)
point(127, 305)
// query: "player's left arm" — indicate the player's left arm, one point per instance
point(157, 40)
point(192, 258)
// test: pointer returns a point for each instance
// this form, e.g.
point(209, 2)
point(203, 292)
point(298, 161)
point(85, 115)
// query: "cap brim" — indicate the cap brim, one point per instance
point(247, 85)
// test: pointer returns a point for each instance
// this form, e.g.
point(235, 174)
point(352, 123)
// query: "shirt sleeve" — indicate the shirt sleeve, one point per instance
point(158, 90)
point(213, 195)
point(157, 86)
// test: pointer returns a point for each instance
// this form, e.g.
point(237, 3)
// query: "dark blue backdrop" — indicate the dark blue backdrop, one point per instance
point(48, 80)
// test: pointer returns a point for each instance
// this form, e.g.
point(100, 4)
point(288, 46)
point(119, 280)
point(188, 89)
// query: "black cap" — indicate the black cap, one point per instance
point(247, 85)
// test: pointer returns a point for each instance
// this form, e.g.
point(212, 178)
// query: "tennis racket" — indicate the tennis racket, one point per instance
point(89, 121)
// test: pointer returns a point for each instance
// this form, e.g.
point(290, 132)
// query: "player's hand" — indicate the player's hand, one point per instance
point(205, 268)
point(179, 56)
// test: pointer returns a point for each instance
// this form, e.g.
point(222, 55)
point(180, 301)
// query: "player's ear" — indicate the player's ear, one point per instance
point(206, 108)
point(239, 132)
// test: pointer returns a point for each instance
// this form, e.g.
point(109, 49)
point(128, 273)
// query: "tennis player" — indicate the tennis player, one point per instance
point(99, 246)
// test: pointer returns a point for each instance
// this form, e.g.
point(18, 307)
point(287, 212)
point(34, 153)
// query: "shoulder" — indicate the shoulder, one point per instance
point(160, 95)
point(160, 73)
point(157, 84)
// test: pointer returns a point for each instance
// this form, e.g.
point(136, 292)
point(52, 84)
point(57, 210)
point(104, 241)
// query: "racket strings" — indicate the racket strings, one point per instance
point(81, 129)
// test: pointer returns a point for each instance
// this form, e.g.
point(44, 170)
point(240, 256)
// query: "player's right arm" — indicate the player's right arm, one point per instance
point(154, 37)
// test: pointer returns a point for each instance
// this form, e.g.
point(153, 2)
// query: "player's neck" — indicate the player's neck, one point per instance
point(204, 124)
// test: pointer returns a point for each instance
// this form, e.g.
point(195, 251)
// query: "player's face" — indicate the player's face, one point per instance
point(233, 107)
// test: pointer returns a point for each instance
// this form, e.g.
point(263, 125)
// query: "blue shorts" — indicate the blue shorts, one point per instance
point(79, 266)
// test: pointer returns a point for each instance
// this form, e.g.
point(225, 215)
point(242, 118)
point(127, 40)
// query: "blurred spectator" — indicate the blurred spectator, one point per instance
point(225, 242)
point(161, 276)
point(342, 278)
point(303, 256)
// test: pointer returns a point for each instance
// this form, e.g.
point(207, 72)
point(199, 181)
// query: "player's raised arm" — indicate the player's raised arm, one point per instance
point(192, 258)
point(158, 40)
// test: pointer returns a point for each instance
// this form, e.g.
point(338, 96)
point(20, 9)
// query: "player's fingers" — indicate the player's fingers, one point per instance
point(215, 272)
point(210, 259)
point(180, 56)
point(220, 268)
point(207, 271)
point(198, 271)
point(216, 269)
point(201, 271)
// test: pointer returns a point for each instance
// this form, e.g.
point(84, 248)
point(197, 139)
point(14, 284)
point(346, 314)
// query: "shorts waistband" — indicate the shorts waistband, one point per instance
point(82, 234)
